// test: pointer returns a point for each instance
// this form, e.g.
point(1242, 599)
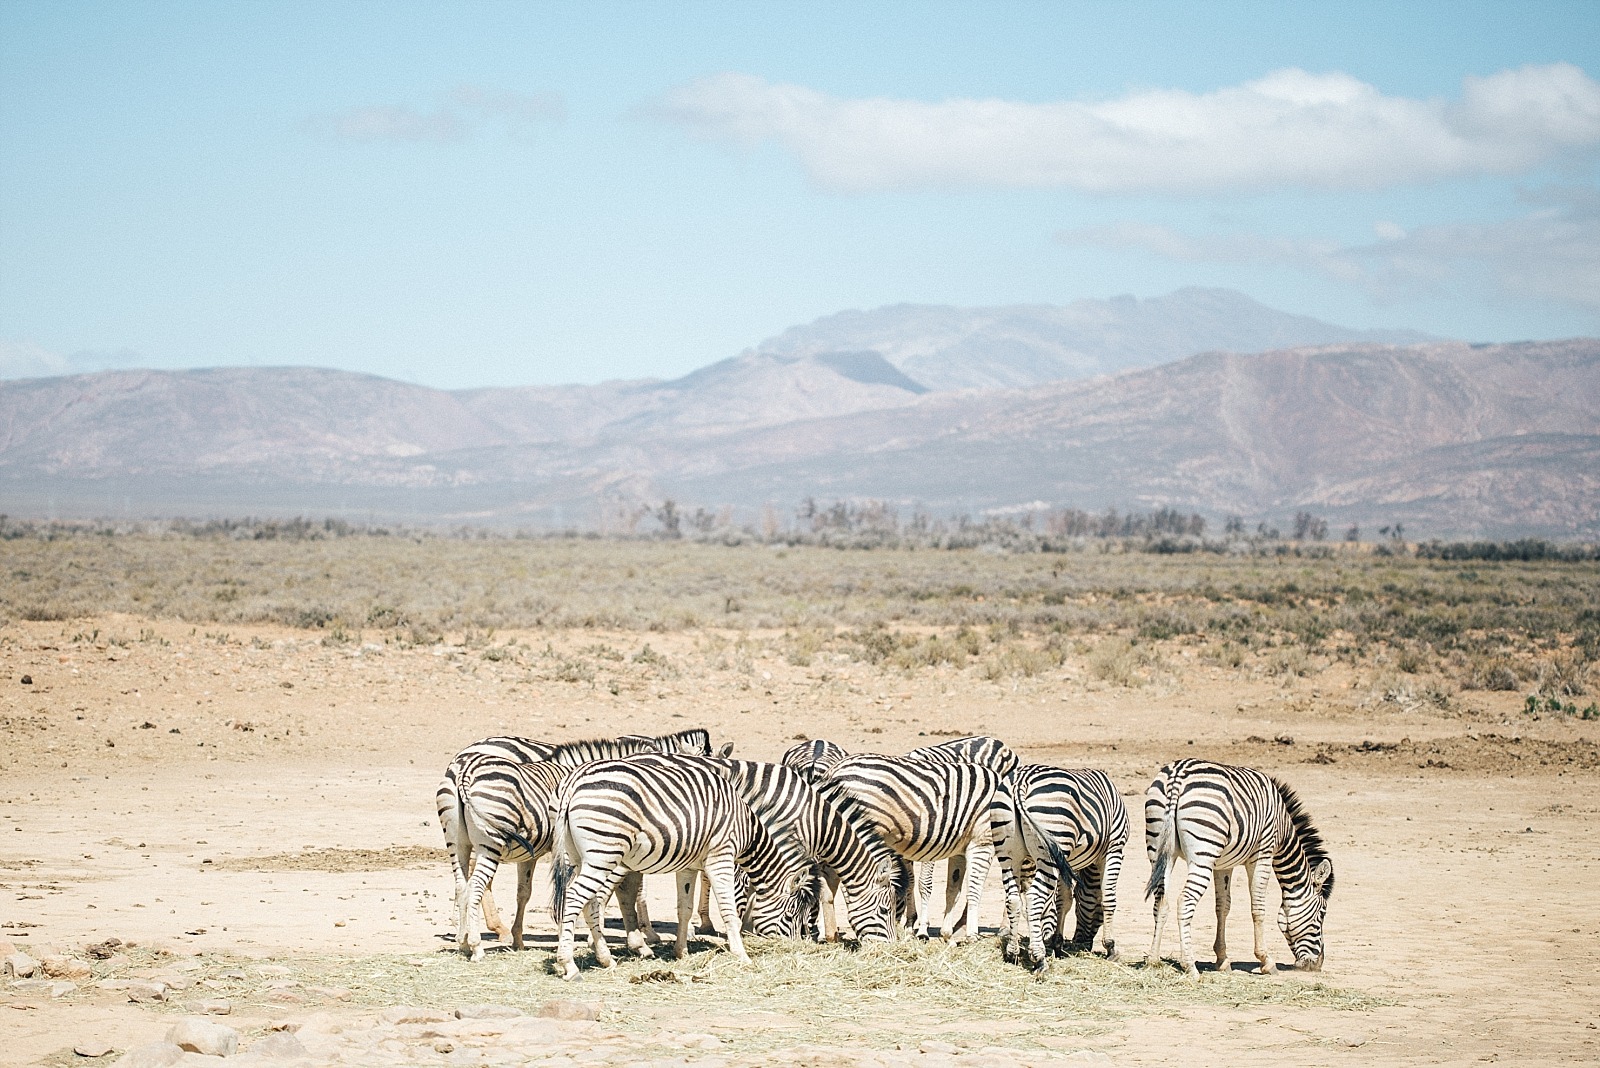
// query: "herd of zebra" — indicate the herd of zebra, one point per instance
point(773, 845)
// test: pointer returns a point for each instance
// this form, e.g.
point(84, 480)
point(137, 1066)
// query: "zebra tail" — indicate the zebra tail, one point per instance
point(561, 869)
point(1166, 849)
point(1058, 856)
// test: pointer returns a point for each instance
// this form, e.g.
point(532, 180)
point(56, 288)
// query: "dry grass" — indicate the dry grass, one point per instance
point(882, 995)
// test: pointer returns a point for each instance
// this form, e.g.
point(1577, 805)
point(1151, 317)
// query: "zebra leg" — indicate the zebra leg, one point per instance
point(685, 879)
point(1086, 903)
point(524, 892)
point(641, 916)
point(591, 884)
point(466, 931)
point(1108, 900)
point(1223, 888)
point(720, 870)
point(827, 914)
point(706, 927)
point(962, 920)
point(1194, 888)
point(630, 894)
point(491, 916)
point(955, 904)
point(1159, 895)
point(924, 897)
point(1258, 872)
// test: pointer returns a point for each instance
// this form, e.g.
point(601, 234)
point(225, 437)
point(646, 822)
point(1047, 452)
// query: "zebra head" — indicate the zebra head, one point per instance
point(875, 905)
point(696, 742)
point(781, 905)
point(1302, 914)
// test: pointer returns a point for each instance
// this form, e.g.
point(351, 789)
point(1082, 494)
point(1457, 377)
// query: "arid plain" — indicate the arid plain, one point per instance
point(223, 753)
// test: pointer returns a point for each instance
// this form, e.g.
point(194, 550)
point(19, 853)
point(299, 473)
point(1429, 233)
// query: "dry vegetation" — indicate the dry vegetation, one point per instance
point(1423, 629)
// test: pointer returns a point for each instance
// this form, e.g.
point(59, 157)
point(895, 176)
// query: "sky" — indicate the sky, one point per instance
point(482, 194)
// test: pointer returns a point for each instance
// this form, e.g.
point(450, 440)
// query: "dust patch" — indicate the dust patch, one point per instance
point(1486, 754)
point(339, 860)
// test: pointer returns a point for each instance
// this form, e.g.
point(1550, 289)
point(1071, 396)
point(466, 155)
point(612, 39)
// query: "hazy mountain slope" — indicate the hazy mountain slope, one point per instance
point(1024, 345)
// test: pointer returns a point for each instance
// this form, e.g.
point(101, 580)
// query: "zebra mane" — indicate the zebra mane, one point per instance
point(1305, 831)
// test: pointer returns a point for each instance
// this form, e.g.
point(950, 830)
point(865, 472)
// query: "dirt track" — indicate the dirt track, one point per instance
point(268, 796)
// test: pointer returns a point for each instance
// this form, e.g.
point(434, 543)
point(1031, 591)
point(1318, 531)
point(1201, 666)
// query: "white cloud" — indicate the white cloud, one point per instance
point(463, 109)
point(1550, 254)
point(28, 359)
point(1290, 128)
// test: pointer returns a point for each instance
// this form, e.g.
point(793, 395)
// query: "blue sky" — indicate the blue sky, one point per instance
point(515, 193)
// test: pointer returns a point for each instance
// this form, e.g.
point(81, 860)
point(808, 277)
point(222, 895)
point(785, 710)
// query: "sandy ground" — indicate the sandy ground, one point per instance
point(266, 795)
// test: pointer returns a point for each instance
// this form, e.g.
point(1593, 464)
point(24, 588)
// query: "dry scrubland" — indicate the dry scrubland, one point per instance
point(224, 752)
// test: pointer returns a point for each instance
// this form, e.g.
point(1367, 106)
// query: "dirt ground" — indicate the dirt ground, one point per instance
point(263, 799)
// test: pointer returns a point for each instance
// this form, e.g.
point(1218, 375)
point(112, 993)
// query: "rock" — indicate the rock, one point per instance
point(487, 1012)
point(410, 1014)
point(335, 993)
point(18, 964)
point(103, 950)
point(155, 1055)
point(92, 1049)
point(136, 989)
point(565, 1009)
point(173, 982)
point(65, 968)
point(699, 1041)
point(280, 1045)
point(444, 1045)
point(203, 1036)
point(211, 1006)
point(933, 1045)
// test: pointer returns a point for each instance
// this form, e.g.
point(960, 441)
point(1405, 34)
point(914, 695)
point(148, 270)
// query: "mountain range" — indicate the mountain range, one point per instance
point(1202, 400)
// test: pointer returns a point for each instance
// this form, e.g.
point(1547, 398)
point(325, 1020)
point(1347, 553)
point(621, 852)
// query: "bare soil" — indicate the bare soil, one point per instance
point(225, 802)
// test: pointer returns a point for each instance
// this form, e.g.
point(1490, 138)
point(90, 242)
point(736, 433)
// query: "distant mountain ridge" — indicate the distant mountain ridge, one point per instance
point(1446, 437)
point(1017, 346)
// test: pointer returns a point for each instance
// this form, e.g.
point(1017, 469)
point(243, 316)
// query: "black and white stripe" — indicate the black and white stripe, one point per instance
point(973, 749)
point(925, 811)
point(664, 813)
point(1059, 831)
point(1216, 817)
point(814, 758)
point(504, 818)
point(503, 748)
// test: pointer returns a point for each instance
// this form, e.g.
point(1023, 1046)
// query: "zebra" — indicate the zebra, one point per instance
point(504, 817)
point(447, 797)
point(668, 813)
point(976, 749)
point(1218, 816)
point(925, 811)
point(1059, 831)
point(813, 758)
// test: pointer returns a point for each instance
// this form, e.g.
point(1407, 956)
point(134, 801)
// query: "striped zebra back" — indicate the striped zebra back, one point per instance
point(509, 801)
point(976, 749)
point(814, 758)
point(696, 742)
point(1221, 815)
point(1080, 806)
point(923, 810)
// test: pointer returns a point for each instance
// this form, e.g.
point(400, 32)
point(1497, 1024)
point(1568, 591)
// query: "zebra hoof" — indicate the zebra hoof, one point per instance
point(1308, 964)
point(572, 974)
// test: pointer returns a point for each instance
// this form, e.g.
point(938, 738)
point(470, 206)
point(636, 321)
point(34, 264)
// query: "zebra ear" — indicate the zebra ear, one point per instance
point(726, 750)
point(1322, 877)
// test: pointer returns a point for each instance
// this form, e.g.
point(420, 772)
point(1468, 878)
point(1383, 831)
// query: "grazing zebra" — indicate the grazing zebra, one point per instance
point(504, 817)
point(669, 813)
point(1216, 817)
point(526, 751)
point(814, 758)
point(1059, 831)
point(975, 749)
point(926, 811)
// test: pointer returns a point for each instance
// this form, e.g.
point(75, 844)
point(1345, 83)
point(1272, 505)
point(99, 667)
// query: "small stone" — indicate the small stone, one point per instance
point(154, 1055)
point(286, 997)
point(566, 1009)
point(173, 982)
point(103, 950)
point(93, 1049)
point(487, 1012)
point(444, 1045)
point(336, 993)
point(700, 1041)
point(280, 1045)
point(65, 968)
point(18, 964)
point(933, 1045)
point(212, 1006)
point(50, 988)
point(410, 1014)
point(136, 989)
point(203, 1036)
point(27, 680)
